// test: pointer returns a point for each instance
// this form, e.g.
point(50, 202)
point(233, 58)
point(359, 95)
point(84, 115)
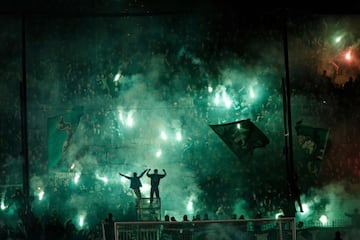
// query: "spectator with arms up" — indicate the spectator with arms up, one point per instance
point(155, 181)
point(135, 183)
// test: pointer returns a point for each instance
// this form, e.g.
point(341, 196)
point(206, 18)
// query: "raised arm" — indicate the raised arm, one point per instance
point(147, 173)
point(164, 172)
point(142, 173)
point(124, 175)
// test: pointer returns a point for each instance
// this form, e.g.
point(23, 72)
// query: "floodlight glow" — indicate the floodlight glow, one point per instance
point(41, 194)
point(126, 119)
point(251, 92)
point(323, 219)
point(77, 177)
point(217, 99)
point(278, 215)
point(348, 55)
point(159, 153)
point(72, 166)
point(190, 206)
point(305, 208)
point(81, 220)
point(178, 136)
point(3, 196)
point(226, 99)
point(104, 179)
point(121, 117)
point(117, 77)
point(163, 135)
point(210, 89)
point(130, 120)
point(2, 205)
point(338, 39)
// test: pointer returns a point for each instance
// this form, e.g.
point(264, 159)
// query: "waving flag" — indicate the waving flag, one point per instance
point(242, 137)
point(61, 129)
point(314, 141)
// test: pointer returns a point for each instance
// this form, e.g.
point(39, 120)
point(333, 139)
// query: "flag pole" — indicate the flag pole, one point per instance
point(24, 130)
point(288, 149)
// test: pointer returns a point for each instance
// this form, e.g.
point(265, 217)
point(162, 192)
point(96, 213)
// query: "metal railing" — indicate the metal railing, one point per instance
point(281, 228)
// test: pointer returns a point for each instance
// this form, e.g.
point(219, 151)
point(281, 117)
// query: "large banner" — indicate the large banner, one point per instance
point(61, 129)
point(313, 141)
point(242, 137)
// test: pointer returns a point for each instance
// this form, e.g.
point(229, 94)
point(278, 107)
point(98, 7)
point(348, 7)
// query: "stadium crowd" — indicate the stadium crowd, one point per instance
point(85, 79)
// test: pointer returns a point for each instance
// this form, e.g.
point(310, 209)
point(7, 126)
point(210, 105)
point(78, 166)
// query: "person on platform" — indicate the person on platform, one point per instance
point(155, 181)
point(135, 183)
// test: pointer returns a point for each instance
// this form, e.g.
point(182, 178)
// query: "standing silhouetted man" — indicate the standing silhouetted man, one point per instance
point(155, 181)
point(135, 184)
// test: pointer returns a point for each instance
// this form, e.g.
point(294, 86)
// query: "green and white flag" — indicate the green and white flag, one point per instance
point(313, 140)
point(242, 137)
point(61, 129)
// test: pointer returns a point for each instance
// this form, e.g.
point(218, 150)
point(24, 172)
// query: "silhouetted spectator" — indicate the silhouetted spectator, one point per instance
point(242, 224)
point(167, 230)
point(220, 212)
point(155, 181)
point(54, 228)
point(186, 231)
point(135, 184)
point(338, 235)
point(109, 227)
point(70, 230)
point(18, 200)
point(257, 224)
